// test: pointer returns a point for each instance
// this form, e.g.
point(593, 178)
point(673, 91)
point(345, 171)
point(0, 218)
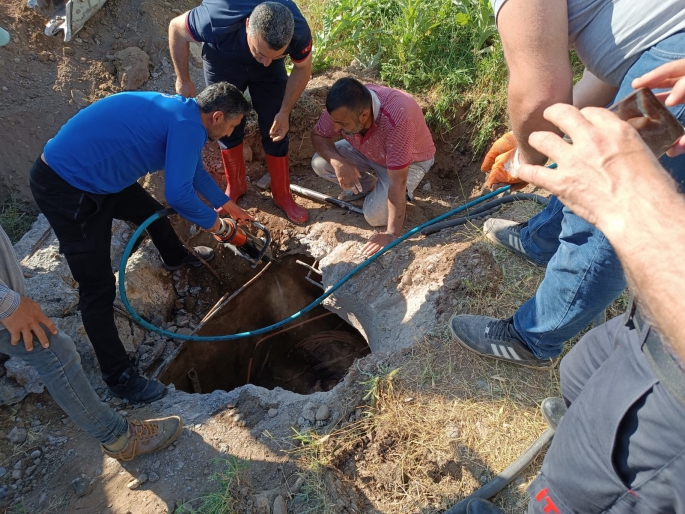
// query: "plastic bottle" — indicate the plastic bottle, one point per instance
point(4, 37)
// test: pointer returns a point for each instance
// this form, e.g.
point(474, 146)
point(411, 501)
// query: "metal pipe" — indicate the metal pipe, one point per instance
point(315, 195)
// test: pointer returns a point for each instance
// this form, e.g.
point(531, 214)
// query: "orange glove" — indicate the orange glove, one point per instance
point(499, 159)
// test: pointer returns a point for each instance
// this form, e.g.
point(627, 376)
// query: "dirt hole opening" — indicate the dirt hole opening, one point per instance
point(312, 353)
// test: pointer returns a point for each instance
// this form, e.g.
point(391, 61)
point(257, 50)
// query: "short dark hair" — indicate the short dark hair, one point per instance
point(274, 23)
point(223, 97)
point(350, 93)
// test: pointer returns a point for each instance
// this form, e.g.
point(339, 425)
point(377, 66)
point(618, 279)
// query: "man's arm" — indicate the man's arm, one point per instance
point(609, 177)
point(535, 40)
point(179, 48)
point(348, 174)
point(397, 207)
point(297, 82)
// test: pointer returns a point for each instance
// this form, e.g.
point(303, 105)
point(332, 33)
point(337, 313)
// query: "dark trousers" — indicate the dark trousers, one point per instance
point(82, 222)
point(267, 89)
point(620, 448)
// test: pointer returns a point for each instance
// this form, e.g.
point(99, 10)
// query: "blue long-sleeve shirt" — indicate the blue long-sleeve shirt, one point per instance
point(110, 144)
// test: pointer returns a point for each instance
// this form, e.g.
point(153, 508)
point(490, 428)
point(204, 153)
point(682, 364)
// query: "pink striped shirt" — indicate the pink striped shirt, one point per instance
point(398, 136)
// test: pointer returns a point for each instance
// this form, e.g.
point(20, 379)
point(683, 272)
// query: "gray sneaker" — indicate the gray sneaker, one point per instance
point(507, 234)
point(495, 338)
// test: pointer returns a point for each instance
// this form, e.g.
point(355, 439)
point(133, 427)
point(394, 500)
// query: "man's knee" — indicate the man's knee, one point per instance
point(321, 166)
point(376, 217)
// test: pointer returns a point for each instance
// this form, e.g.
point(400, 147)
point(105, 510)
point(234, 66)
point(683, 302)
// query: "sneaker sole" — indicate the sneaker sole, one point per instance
point(490, 356)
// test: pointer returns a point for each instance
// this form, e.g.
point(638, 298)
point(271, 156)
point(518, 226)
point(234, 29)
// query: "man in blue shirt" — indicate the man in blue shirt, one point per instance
point(244, 43)
point(86, 177)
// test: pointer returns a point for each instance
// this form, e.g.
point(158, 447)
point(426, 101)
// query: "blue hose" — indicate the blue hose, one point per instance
point(172, 335)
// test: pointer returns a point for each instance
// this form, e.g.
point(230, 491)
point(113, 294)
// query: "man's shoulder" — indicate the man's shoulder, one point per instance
point(397, 106)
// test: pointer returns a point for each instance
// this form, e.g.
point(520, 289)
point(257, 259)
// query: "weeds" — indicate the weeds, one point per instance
point(226, 500)
point(15, 219)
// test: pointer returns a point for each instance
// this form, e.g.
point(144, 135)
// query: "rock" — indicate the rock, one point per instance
point(123, 413)
point(323, 413)
point(273, 413)
point(3, 472)
point(261, 505)
point(66, 51)
point(482, 384)
point(137, 482)
point(16, 474)
point(25, 375)
point(142, 478)
point(280, 506)
point(81, 486)
point(44, 56)
point(79, 98)
point(109, 67)
point(309, 412)
point(133, 67)
point(149, 288)
point(264, 182)
point(154, 477)
point(427, 187)
point(17, 435)
point(11, 392)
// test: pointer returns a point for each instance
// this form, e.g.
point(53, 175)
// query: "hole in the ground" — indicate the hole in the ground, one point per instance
point(313, 353)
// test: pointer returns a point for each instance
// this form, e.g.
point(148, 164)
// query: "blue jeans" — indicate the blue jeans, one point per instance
point(583, 272)
point(59, 366)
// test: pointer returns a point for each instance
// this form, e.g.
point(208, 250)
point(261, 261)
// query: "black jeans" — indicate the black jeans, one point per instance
point(82, 222)
point(267, 89)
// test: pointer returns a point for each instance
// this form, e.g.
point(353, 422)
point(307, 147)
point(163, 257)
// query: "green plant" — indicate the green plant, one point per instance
point(379, 385)
point(226, 499)
point(479, 15)
point(15, 219)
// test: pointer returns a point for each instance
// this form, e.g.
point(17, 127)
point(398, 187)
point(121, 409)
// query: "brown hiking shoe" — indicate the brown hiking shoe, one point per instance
point(148, 436)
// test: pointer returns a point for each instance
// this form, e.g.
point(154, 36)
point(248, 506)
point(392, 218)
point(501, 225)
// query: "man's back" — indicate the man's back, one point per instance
point(118, 139)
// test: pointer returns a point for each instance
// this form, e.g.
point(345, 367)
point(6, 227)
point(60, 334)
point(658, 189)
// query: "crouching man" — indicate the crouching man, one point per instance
point(384, 132)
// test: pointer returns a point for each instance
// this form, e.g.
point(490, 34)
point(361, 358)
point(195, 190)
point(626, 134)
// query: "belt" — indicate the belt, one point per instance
point(664, 366)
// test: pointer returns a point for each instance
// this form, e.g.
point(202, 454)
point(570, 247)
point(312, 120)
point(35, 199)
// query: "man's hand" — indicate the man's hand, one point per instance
point(348, 176)
point(280, 127)
point(25, 323)
point(669, 76)
point(377, 242)
point(185, 88)
point(235, 212)
point(593, 176)
point(499, 161)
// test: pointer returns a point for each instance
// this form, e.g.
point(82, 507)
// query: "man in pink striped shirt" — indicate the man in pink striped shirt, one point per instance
point(384, 132)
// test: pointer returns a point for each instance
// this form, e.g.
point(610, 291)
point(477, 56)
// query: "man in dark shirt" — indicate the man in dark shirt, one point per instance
point(244, 43)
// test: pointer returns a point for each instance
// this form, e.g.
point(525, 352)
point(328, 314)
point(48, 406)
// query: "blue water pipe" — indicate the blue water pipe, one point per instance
point(186, 337)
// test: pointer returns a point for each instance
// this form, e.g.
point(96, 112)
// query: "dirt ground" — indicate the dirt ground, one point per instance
point(43, 82)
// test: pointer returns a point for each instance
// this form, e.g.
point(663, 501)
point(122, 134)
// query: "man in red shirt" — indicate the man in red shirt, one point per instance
point(383, 131)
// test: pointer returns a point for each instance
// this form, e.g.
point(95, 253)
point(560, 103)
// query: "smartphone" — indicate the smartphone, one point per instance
point(657, 127)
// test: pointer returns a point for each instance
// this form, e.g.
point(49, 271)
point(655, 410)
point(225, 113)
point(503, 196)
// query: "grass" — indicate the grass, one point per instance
point(227, 498)
point(15, 219)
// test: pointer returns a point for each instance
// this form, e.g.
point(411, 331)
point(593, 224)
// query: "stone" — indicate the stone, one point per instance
point(133, 67)
point(264, 182)
point(273, 413)
point(109, 67)
point(309, 412)
point(81, 486)
point(153, 477)
point(261, 505)
point(323, 413)
point(16, 474)
point(44, 56)
point(427, 187)
point(79, 98)
point(67, 50)
point(280, 506)
point(247, 154)
point(25, 375)
point(3, 471)
point(17, 435)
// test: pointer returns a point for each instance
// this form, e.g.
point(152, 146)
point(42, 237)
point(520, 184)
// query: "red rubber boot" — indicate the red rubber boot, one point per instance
point(279, 169)
point(234, 168)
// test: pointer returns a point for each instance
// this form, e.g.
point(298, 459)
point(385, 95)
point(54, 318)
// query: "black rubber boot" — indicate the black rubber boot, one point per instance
point(137, 389)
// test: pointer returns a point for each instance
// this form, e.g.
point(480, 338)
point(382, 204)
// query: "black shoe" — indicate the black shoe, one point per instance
point(495, 338)
point(507, 234)
point(553, 409)
point(481, 506)
point(205, 252)
point(137, 389)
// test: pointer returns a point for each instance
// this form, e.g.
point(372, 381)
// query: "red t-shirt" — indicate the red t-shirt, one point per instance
point(398, 136)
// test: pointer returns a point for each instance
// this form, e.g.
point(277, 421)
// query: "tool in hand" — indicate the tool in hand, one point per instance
point(315, 195)
point(251, 248)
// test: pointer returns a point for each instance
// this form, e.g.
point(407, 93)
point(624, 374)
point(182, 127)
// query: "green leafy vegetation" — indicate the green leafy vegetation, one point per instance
point(15, 219)
point(445, 50)
point(226, 500)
